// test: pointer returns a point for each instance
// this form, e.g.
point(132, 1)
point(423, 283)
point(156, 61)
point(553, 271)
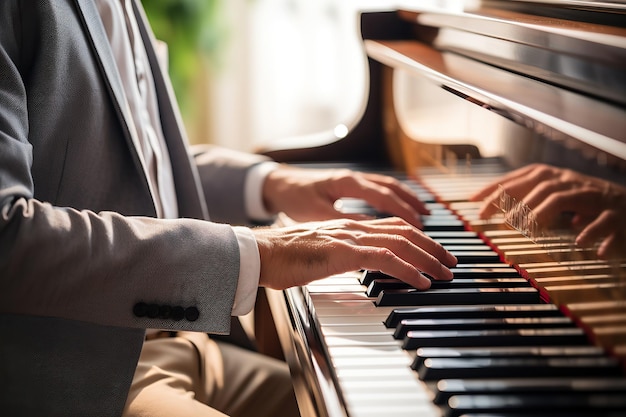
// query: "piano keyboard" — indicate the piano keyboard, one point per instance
point(536, 337)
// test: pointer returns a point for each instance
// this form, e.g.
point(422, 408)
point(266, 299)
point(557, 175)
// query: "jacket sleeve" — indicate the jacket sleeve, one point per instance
point(223, 175)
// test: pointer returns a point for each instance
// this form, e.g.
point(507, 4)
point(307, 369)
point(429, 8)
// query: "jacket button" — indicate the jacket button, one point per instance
point(192, 313)
point(165, 312)
point(140, 309)
point(178, 313)
point(153, 311)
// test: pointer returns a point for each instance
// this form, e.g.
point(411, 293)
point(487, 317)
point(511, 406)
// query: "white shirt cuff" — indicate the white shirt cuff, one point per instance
point(253, 191)
point(249, 271)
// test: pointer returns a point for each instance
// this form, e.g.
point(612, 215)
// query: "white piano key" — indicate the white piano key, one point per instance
point(328, 289)
point(365, 351)
point(374, 374)
point(362, 362)
point(337, 280)
point(350, 331)
point(363, 340)
point(396, 410)
point(342, 320)
point(354, 296)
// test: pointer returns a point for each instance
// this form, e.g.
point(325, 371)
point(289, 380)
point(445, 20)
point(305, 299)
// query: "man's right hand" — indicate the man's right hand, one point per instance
point(298, 254)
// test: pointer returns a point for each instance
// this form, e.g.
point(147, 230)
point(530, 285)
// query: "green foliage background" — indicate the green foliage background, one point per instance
point(194, 31)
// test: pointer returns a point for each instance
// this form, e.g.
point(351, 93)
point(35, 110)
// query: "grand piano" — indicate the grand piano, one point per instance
point(458, 95)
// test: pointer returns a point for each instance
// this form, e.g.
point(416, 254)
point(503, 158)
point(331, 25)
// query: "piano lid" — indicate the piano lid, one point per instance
point(561, 77)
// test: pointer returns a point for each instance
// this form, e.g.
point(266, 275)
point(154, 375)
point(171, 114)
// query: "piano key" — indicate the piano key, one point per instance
point(328, 289)
point(433, 369)
point(447, 388)
point(460, 271)
point(504, 352)
point(459, 405)
point(447, 241)
point(472, 338)
point(362, 340)
point(472, 311)
point(443, 225)
point(480, 324)
point(457, 234)
point(378, 285)
point(478, 256)
point(458, 296)
point(461, 247)
point(491, 282)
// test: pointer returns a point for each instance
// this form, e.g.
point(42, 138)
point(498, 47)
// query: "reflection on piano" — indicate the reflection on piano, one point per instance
point(456, 99)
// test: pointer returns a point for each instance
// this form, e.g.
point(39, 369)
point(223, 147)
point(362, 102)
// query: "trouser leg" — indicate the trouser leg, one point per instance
point(192, 375)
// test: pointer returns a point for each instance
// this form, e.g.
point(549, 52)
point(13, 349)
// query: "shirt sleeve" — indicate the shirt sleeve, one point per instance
point(253, 191)
point(249, 271)
point(249, 258)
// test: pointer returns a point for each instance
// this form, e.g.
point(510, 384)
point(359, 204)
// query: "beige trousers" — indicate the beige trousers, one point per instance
point(192, 375)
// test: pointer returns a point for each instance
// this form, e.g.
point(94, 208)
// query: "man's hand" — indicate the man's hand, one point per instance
point(310, 194)
point(298, 254)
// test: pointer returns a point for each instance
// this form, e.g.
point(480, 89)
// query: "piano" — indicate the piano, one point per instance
point(460, 93)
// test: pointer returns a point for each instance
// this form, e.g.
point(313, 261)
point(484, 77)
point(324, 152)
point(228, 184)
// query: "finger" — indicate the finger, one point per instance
point(382, 198)
point(396, 227)
point(401, 190)
point(383, 259)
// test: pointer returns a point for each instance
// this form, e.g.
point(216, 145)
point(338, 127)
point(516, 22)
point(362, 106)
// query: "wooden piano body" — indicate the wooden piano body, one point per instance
point(456, 98)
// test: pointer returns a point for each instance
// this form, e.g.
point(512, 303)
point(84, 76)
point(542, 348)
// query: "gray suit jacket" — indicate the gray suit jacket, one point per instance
point(84, 265)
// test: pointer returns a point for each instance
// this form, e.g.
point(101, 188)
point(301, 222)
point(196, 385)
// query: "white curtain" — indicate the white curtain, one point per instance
point(292, 68)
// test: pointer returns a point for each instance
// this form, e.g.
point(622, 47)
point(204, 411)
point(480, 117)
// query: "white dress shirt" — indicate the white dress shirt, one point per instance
point(122, 31)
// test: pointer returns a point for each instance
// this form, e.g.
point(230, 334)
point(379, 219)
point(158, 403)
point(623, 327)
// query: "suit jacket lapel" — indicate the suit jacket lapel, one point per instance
point(91, 21)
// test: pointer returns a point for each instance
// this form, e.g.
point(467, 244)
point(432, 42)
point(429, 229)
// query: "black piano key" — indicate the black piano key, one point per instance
point(434, 369)
point(434, 234)
point(378, 285)
point(461, 247)
point(473, 338)
point(471, 311)
point(461, 271)
point(369, 276)
point(481, 324)
point(505, 352)
point(481, 283)
point(447, 388)
point(524, 295)
point(479, 256)
point(459, 405)
point(448, 241)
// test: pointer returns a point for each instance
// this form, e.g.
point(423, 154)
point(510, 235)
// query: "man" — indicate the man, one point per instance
point(105, 231)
